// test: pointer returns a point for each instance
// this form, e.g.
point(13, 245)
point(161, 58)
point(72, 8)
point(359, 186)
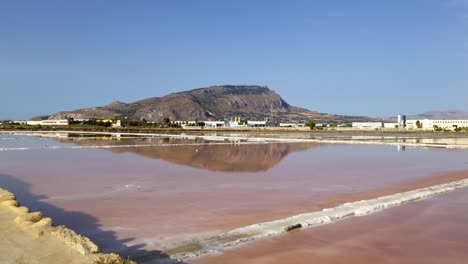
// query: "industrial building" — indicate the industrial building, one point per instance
point(368, 125)
point(391, 125)
point(403, 123)
point(236, 123)
point(428, 124)
point(256, 123)
point(292, 125)
point(58, 122)
point(20, 122)
point(178, 122)
point(215, 123)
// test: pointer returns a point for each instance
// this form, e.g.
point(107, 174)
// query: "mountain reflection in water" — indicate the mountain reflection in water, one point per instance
point(225, 158)
point(212, 157)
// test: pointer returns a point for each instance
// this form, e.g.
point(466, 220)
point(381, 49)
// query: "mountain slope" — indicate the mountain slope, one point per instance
point(211, 103)
point(444, 115)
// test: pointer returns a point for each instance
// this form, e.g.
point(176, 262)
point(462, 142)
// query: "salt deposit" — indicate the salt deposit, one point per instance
point(214, 243)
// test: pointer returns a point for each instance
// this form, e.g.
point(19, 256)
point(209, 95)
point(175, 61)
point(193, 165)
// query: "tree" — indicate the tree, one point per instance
point(167, 121)
point(71, 121)
point(436, 128)
point(311, 124)
point(419, 124)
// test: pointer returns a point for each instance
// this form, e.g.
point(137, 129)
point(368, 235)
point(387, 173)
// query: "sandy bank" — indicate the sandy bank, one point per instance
point(29, 237)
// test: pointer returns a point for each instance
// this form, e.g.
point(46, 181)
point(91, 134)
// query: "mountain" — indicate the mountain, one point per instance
point(444, 115)
point(212, 103)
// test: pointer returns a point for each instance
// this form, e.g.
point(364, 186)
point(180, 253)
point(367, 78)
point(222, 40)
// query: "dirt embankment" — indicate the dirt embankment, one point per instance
point(30, 237)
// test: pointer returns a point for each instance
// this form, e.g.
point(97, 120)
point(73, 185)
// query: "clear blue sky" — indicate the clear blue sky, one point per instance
point(375, 58)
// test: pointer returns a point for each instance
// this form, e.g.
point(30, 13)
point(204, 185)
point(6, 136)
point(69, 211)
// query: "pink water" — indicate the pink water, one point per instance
point(133, 200)
point(432, 231)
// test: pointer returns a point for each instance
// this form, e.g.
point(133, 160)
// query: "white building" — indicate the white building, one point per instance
point(401, 121)
point(292, 125)
point(368, 125)
point(179, 122)
point(194, 123)
point(235, 122)
point(256, 123)
point(215, 123)
point(428, 124)
point(118, 123)
point(391, 125)
point(21, 122)
point(58, 122)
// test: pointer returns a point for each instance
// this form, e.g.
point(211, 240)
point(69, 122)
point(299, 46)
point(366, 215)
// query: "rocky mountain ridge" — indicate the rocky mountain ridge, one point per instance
point(212, 103)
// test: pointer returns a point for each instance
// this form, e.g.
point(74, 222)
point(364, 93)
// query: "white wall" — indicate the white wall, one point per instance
point(215, 123)
point(61, 122)
point(391, 125)
point(256, 123)
point(444, 124)
point(367, 125)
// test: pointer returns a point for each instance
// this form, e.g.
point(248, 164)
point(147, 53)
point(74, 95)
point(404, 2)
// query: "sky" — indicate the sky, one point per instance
point(362, 57)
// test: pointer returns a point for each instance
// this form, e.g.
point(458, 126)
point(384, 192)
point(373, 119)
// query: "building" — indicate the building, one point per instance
point(401, 121)
point(58, 122)
point(180, 123)
point(191, 124)
point(214, 123)
point(256, 123)
point(19, 122)
point(117, 123)
point(391, 125)
point(428, 124)
point(107, 122)
point(292, 125)
point(368, 125)
point(236, 123)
